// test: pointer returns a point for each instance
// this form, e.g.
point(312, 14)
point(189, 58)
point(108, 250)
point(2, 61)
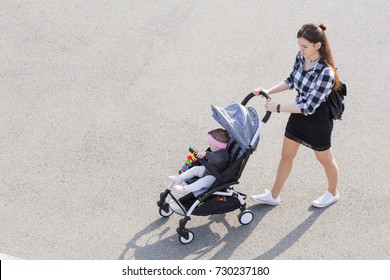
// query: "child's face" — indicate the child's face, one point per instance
point(213, 148)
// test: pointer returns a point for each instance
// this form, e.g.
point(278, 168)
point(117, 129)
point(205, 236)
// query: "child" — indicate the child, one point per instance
point(218, 157)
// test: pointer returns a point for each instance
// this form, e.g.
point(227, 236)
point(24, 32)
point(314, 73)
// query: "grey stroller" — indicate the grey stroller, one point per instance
point(242, 123)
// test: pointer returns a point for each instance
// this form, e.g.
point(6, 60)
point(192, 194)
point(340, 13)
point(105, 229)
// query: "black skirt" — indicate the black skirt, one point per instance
point(313, 131)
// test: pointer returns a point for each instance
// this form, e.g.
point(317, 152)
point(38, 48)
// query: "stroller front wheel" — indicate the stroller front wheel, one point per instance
point(188, 240)
point(245, 217)
point(165, 214)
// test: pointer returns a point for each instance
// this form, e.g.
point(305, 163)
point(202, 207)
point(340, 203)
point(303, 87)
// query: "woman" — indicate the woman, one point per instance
point(313, 77)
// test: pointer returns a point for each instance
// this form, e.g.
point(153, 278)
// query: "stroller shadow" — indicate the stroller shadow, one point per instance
point(151, 243)
point(293, 236)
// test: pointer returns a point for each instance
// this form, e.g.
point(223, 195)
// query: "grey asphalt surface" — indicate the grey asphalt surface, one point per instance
point(101, 99)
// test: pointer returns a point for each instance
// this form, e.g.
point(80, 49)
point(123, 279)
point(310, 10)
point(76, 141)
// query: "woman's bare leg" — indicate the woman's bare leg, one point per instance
point(331, 169)
point(289, 151)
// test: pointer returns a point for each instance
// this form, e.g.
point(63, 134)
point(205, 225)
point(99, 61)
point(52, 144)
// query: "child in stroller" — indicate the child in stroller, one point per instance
point(217, 156)
point(243, 126)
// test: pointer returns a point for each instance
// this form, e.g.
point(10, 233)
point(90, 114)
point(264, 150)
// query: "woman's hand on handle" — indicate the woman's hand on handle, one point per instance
point(256, 92)
point(270, 106)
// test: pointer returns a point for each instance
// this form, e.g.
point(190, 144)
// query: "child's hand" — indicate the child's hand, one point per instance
point(201, 154)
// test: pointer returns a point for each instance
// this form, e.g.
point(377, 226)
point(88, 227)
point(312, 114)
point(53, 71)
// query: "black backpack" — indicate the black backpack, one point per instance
point(335, 99)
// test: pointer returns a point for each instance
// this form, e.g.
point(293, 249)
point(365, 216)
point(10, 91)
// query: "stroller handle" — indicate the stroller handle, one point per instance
point(249, 97)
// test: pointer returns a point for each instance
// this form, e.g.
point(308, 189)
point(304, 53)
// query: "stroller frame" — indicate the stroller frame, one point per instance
point(222, 187)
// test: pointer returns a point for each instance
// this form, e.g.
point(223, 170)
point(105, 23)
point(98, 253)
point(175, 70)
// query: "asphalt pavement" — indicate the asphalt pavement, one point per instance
point(100, 100)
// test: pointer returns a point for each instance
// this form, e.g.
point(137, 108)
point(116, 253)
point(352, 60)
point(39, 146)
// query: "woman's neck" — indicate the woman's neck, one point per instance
point(314, 58)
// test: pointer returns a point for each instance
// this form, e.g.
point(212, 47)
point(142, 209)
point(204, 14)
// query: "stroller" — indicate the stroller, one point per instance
point(242, 123)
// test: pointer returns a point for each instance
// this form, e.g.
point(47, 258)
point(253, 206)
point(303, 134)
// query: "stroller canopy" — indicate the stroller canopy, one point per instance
point(239, 121)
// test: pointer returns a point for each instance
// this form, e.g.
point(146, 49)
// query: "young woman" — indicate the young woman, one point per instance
point(313, 77)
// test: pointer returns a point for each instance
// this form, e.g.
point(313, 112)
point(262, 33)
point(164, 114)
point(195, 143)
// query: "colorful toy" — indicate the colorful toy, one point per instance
point(188, 162)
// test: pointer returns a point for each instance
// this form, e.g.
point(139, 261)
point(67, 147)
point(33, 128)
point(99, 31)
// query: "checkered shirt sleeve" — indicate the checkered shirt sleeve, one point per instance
point(313, 86)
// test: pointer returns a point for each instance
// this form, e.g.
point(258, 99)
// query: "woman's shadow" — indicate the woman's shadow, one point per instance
point(291, 238)
point(152, 242)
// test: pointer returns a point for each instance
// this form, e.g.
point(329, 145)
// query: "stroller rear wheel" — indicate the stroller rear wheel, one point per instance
point(188, 240)
point(164, 213)
point(245, 217)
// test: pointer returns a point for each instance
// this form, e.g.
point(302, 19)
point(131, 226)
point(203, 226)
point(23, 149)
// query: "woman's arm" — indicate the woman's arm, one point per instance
point(278, 88)
point(287, 108)
point(275, 89)
point(271, 105)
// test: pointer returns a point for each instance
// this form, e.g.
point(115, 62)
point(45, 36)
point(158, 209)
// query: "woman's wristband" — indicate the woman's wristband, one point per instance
point(278, 108)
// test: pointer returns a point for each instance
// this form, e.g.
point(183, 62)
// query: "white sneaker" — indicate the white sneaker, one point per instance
point(265, 198)
point(176, 179)
point(325, 200)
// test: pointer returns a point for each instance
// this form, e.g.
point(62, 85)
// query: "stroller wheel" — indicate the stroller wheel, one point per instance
point(184, 240)
point(245, 217)
point(165, 214)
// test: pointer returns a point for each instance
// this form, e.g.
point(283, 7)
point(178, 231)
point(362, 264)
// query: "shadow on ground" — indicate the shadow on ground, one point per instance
point(152, 242)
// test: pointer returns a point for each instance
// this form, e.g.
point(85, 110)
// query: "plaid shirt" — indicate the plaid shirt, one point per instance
point(313, 85)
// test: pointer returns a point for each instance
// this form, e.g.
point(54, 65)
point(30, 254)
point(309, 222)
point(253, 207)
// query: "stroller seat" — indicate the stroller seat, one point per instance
point(213, 200)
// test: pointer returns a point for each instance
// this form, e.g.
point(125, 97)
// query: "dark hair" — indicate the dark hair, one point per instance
point(220, 135)
point(316, 34)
